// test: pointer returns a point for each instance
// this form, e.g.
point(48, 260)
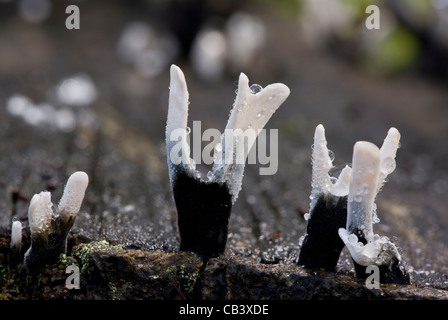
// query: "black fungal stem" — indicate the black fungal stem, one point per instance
point(15, 258)
point(203, 210)
point(322, 245)
point(204, 207)
point(46, 250)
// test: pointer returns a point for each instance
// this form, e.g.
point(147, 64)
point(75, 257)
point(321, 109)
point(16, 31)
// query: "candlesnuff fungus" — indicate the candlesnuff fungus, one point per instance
point(347, 200)
point(370, 167)
point(322, 246)
point(16, 243)
point(50, 224)
point(204, 206)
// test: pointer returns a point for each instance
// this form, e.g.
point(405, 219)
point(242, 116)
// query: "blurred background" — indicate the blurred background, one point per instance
point(95, 99)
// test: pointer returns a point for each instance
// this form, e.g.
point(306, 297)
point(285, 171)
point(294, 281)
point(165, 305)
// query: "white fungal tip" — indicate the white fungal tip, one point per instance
point(391, 144)
point(251, 111)
point(243, 80)
point(371, 168)
point(363, 187)
point(366, 152)
point(319, 134)
point(365, 168)
point(16, 235)
point(176, 126)
point(74, 192)
point(178, 101)
point(40, 213)
point(393, 135)
point(388, 152)
point(321, 163)
point(177, 78)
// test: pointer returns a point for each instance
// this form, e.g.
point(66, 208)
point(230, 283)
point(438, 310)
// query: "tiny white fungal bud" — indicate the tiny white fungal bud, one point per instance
point(40, 213)
point(16, 236)
point(73, 195)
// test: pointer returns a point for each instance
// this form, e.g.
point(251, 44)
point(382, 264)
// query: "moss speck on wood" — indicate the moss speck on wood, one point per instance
point(83, 251)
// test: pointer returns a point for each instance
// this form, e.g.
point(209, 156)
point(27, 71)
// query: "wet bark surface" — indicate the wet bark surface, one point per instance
point(129, 202)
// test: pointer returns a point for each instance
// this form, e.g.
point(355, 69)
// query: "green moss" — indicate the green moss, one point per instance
point(114, 292)
point(285, 275)
point(171, 269)
point(63, 258)
point(187, 279)
point(186, 276)
point(83, 252)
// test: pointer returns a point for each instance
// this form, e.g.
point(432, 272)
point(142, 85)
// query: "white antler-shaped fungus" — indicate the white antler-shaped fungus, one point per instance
point(50, 225)
point(251, 110)
point(204, 206)
point(370, 168)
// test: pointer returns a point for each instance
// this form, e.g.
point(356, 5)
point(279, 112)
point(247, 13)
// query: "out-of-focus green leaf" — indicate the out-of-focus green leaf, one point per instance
point(359, 6)
point(291, 8)
point(395, 53)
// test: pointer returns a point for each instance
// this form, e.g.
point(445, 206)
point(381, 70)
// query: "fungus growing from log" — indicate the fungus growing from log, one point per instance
point(204, 205)
point(16, 243)
point(322, 246)
point(345, 198)
point(370, 167)
point(50, 224)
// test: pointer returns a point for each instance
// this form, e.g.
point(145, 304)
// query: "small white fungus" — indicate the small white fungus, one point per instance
point(40, 213)
point(16, 236)
point(232, 151)
point(73, 195)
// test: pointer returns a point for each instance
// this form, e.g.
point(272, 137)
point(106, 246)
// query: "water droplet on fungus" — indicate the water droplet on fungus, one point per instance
point(255, 88)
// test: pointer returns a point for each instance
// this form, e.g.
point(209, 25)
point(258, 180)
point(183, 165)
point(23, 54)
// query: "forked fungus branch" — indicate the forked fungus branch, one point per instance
point(204, 206)
point(51, 224)
point(343, 209)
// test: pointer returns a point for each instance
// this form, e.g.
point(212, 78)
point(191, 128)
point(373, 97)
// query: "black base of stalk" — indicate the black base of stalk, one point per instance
point(203, 211)
point(393, 273)
point(14, 258)
point(44, 251)
point(322, 245)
